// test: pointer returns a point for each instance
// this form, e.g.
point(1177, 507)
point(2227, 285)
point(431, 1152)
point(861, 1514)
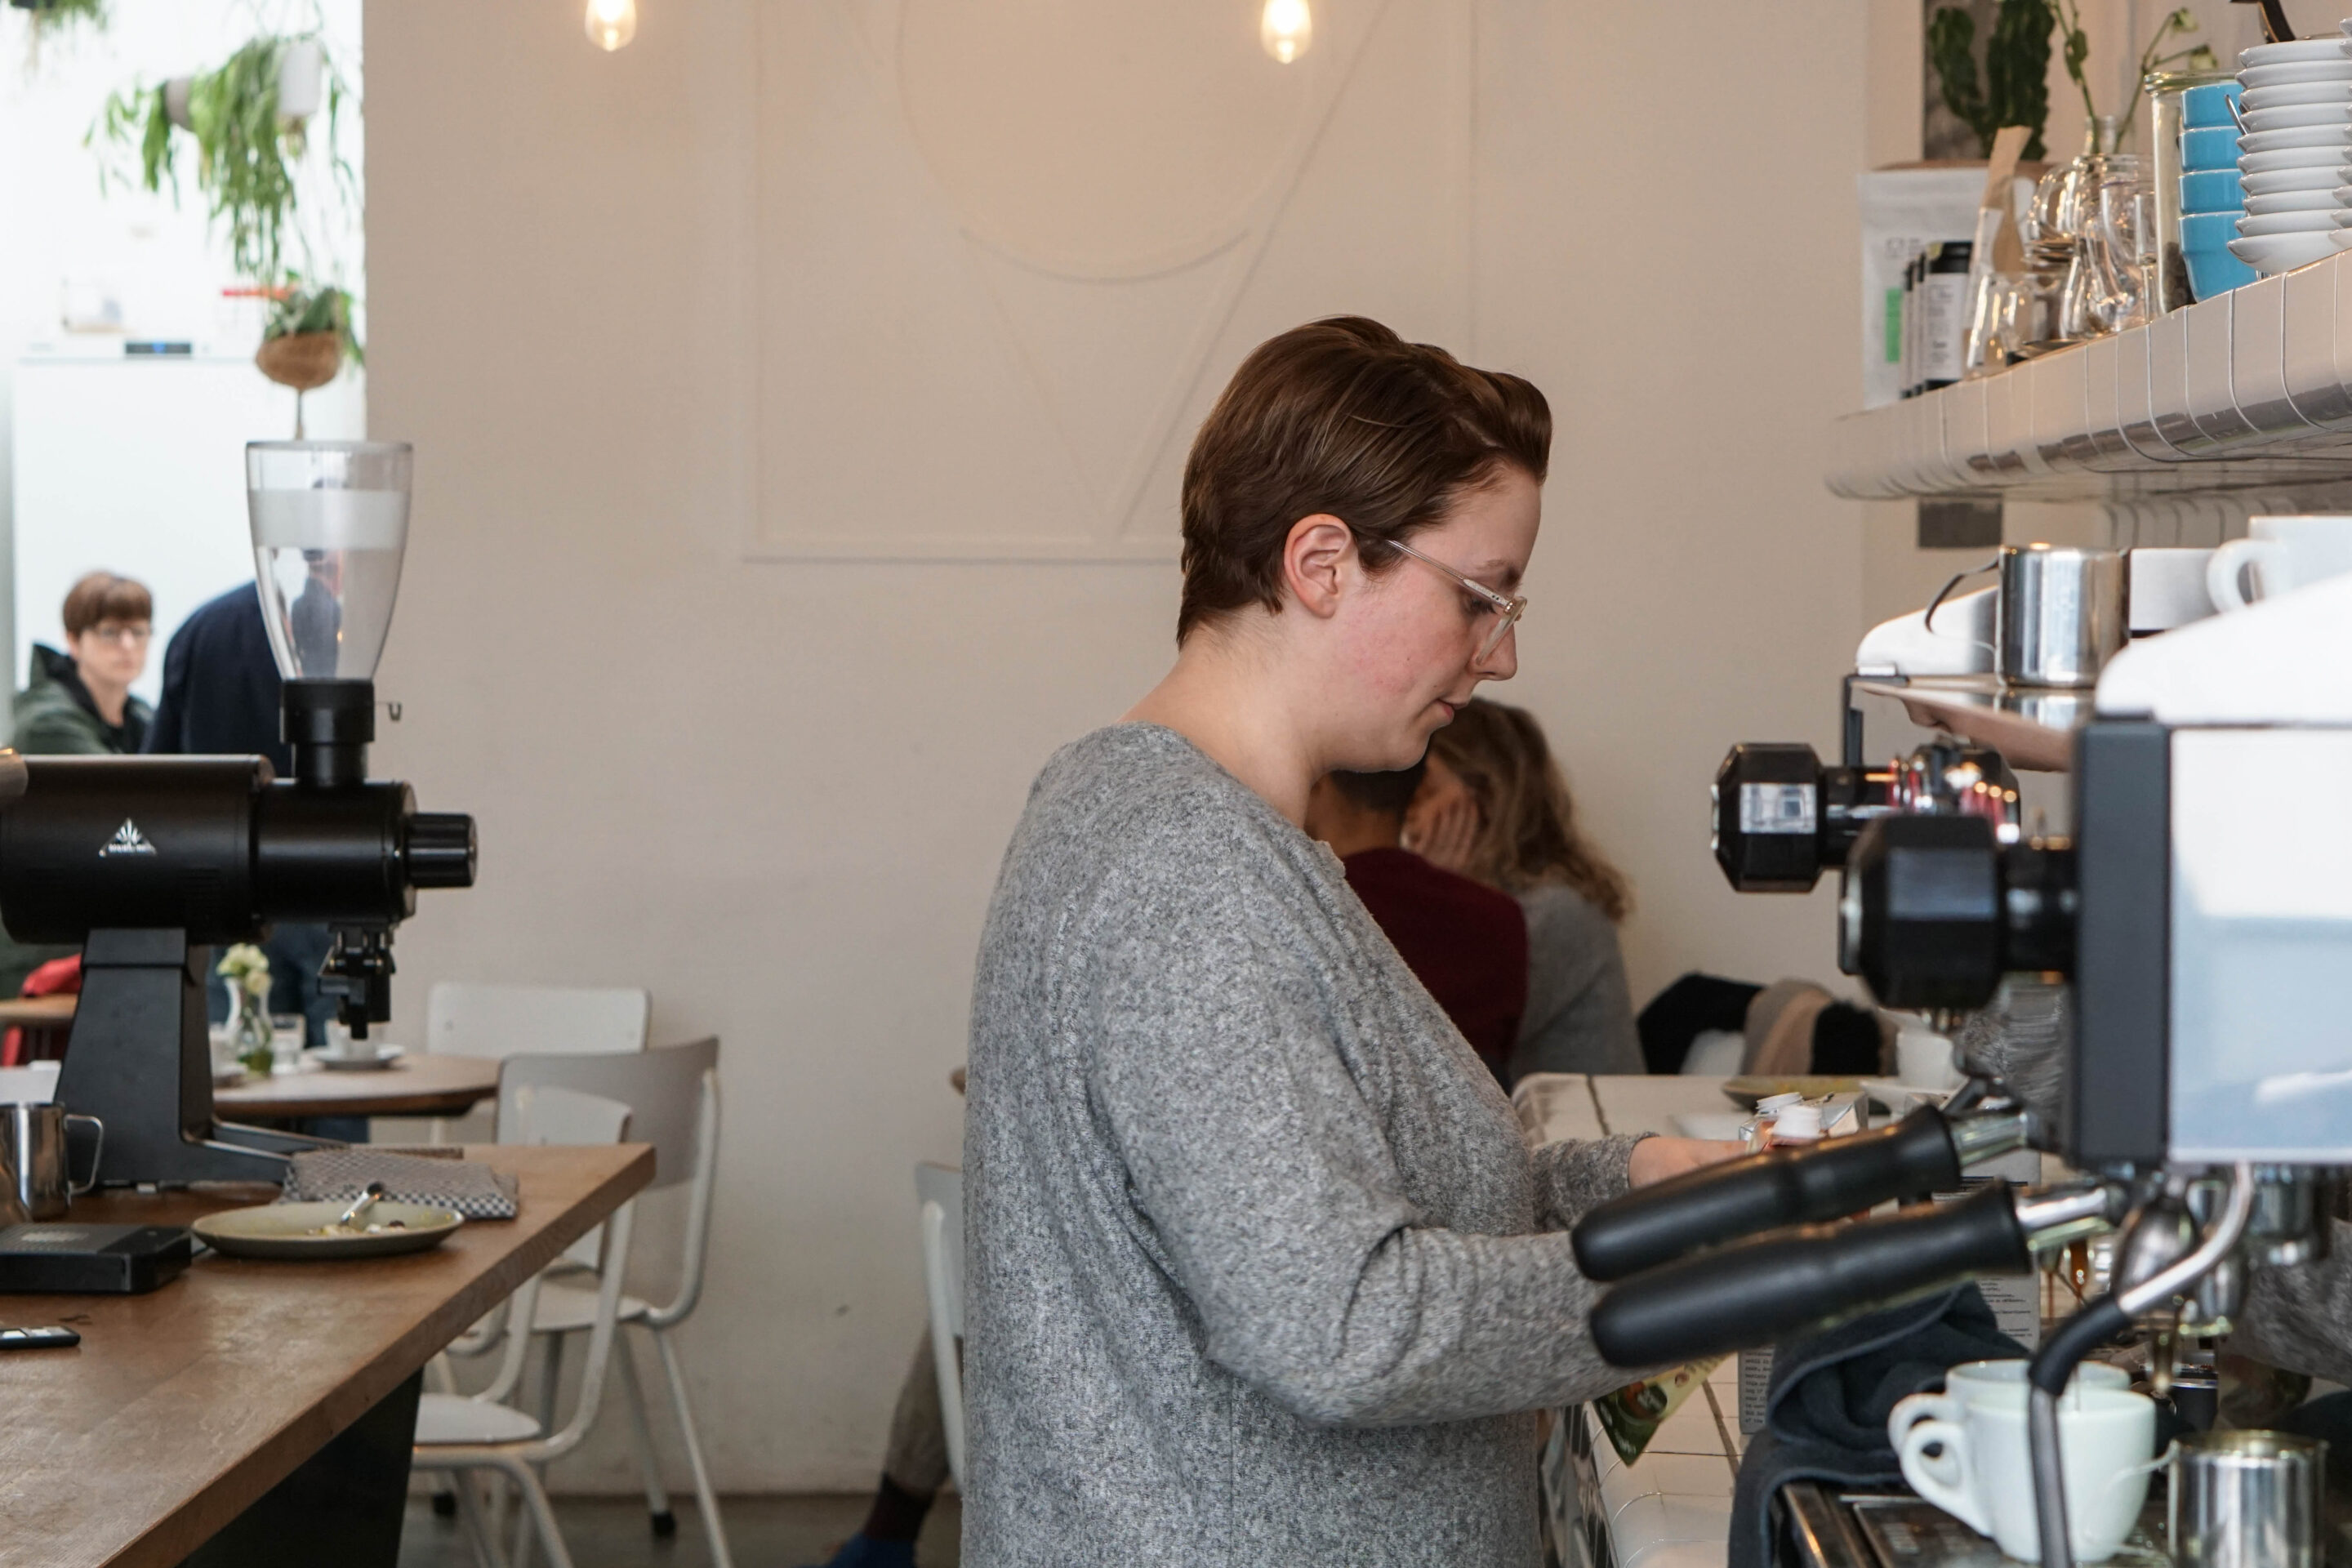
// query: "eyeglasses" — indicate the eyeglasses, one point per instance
point(1506, 607)
point(125, 636)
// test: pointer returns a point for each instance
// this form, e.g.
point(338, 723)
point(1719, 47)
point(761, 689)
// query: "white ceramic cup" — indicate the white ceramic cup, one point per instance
point(2285, 552)
point(1922, 1058)
point(1982, 1471)
point(1965, 1382)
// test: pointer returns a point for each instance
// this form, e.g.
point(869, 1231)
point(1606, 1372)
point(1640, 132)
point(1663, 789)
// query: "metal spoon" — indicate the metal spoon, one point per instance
point(348, 1219)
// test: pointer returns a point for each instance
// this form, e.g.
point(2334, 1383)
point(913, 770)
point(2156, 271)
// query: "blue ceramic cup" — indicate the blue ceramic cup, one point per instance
point(2212, 191)
point(2207, 106)
point(2214, 147)
point(2209, 231)
point(2214, 272)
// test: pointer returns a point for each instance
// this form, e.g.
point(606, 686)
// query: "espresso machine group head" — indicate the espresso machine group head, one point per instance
point(149, 862)
point(1781, 818)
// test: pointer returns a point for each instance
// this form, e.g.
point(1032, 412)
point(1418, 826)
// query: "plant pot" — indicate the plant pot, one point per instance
point(175, 100)
point(303, 360)
point(300, 79)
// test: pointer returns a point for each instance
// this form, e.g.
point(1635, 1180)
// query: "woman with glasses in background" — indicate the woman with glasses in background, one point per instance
point(1260, 1268)
point(78, 703)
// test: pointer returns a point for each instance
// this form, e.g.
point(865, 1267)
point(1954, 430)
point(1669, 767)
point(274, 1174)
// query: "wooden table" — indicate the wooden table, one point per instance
point(181, 1408)
point(46, 1021)
point(420, 1084)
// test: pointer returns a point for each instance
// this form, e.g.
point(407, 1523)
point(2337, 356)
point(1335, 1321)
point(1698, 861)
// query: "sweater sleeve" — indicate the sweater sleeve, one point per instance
point(1275, 1202)
point(1574, 1178)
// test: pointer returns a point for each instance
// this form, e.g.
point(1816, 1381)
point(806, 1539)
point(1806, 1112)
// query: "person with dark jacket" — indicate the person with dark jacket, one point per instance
point(78, 703)
point(221, 687)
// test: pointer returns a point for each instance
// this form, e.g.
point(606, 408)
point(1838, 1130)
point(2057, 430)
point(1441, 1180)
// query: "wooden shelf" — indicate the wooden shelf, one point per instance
point(2251, 389)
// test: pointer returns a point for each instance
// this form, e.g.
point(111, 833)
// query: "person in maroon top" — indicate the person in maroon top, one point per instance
point(1467, 942)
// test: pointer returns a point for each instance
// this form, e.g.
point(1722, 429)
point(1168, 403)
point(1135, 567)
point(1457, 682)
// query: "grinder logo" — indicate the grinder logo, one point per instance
point(127, 840)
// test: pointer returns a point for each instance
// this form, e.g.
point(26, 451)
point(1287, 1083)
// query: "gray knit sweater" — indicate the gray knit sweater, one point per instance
point(1259, 1269)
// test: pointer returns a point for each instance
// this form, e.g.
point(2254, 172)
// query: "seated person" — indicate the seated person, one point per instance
point(78, 703)
point(1468, 944)
point(1495, 808)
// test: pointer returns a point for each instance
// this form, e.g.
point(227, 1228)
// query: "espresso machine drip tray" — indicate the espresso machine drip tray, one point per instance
point(1821, 1527)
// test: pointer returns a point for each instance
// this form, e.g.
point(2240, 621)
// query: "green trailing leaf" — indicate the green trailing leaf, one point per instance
point(2016, 60)
point(1951, 50)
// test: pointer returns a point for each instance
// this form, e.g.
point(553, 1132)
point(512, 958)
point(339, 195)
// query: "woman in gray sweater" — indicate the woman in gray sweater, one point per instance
point(1259, 1269)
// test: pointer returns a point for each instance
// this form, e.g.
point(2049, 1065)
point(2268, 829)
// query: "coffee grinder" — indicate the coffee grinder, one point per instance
point(149, 862)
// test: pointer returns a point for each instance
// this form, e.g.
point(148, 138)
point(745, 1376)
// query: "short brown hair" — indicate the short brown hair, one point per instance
point(1526, 822)
point(1341, 416)
point(103, 596)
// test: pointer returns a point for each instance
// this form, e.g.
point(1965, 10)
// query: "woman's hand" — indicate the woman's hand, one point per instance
point(1656, 1159)
point(1446, 834)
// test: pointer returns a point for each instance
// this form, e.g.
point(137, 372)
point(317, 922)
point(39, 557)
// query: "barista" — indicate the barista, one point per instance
point(1261, 1268)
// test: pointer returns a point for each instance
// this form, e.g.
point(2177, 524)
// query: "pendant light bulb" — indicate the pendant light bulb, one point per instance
point(1287, 29)
point(612, 23)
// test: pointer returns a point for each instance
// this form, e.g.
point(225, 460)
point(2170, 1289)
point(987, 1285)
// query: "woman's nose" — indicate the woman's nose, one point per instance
point(1503, 662)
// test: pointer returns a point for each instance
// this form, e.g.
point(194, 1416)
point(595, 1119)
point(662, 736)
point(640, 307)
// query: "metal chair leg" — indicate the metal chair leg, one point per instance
point(468, 1502)
point(705, 1498)
point(539, 1510)
point(658, 1507)
point(551, 1372)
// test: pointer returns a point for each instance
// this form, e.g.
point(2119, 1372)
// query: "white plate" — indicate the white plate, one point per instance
point(2286, 180)
point(2289, 116)
point(2292, 202)
point(2293, 158)
point(384, 1057)
point(2290, 92)
point(2259, 77)
point(2287, 223)
point(2339, 137)
point(2295, 52)
point(2272, 252)
point(288, 1230)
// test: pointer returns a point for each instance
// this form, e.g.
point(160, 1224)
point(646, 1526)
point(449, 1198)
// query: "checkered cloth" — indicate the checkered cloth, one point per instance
point(441, 1180)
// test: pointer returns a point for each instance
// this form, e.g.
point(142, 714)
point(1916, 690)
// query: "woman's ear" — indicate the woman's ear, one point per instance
point(1315, 562)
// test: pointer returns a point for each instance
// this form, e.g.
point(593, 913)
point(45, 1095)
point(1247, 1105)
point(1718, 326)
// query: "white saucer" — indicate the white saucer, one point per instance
point(2305, 136)
point(384, 1057)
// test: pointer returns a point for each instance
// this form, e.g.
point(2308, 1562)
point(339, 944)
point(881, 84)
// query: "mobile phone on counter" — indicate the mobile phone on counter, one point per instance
point(52, 1339)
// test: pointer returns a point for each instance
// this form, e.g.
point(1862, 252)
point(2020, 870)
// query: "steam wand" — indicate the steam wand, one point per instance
point(2100, 1320)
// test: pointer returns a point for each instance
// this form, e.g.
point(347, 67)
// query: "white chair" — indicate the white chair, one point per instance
point(463, 1434)
point(939, 1200)
point(673, 1092)
point(471, 1019)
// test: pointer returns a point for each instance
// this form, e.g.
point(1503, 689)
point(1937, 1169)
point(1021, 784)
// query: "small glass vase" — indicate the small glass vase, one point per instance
point(252, 1033)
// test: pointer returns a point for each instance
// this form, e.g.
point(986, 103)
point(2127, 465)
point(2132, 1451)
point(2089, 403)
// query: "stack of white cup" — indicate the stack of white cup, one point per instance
point(2296, 113)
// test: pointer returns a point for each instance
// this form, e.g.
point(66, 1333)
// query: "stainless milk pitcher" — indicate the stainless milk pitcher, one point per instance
point(2061, 612)
point(2246, 1500)
point(35, 1162)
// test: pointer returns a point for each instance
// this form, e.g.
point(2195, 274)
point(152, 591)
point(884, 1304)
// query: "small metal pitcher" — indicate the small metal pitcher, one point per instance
point(2060, 614)
point(36, 1171)
point(2246, 1500)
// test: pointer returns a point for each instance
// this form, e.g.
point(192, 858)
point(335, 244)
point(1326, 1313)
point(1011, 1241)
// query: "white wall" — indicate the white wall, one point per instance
point(157, 257)
point(797, 403)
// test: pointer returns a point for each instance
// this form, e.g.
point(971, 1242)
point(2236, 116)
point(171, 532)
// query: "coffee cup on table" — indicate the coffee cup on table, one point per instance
point(342, 1047)
point(1978, 1466)
point(2281, 554)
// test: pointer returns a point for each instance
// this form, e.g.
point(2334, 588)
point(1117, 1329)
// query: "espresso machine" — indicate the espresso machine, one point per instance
point(2201, 918)
point(149, 862)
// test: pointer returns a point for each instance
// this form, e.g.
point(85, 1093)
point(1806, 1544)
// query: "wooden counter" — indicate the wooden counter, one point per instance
point(182, 1407)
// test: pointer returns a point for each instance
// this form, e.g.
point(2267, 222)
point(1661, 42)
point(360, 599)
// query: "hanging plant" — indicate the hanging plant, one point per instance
point(49, 22)
point(306, 339)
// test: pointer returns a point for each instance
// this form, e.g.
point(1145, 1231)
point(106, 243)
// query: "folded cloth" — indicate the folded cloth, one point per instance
point(1825, 1410)
point(340, 1175)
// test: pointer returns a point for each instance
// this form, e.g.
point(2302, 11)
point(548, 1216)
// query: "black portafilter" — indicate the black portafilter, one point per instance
point(1936, 909)
point(1758, 1290)
point(1921, 1154)
point(1781, 817)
